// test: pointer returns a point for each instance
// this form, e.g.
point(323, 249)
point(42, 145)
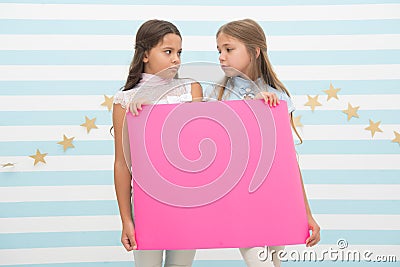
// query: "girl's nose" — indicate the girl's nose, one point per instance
point(176, 60)
point(221, 57)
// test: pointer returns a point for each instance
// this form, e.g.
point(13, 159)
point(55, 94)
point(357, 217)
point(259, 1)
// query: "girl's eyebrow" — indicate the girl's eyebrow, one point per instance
point(169, 47)
point(225, 44)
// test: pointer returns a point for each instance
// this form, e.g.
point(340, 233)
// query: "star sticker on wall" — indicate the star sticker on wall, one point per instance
point(397, 137)
point(89, 124)
point(351, 111)
point(332, 92)
point(108, 102)
point(373, 127)
point(8, 165)
point(67, 142)
point(297, 122)
point(312, 102)
point(39, 157)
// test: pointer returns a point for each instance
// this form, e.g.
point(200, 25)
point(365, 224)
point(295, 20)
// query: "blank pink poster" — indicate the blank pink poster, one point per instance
point(215, 175)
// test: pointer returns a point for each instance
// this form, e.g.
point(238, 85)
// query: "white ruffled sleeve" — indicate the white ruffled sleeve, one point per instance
point(124, 97)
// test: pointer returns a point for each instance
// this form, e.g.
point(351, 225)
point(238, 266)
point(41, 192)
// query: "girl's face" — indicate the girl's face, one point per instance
point(165, 57)
point(234, 58)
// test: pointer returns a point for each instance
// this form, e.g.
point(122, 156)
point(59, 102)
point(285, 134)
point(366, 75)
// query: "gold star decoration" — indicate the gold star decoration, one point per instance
point(351, 111)
point(397, 137)
point(67, 142)
point(373, 127)
point(89, 124)
point(297, 122)
point(312, 102)
point(39, 157)
point(7, 165)
point(332, 92)
point(108, 102)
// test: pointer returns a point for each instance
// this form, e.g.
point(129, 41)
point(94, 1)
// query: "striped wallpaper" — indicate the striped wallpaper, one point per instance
point(60, 58)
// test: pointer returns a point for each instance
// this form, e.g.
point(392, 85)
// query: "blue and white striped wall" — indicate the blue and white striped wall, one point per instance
point(58, 58)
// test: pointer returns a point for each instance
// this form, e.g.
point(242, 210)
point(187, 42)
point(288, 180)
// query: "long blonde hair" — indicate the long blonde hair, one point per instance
point(253, 37)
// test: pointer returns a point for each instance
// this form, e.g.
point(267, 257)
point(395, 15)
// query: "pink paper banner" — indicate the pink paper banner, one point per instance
point(215, 175)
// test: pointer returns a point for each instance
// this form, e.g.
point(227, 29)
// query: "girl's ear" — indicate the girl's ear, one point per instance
point(257, 52)
point(146, 57)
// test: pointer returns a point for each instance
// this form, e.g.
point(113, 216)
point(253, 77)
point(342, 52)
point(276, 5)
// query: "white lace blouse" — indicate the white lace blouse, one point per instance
point(157, 90)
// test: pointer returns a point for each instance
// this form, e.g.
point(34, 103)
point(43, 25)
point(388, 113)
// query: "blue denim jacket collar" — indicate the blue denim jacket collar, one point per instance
point(245, 88)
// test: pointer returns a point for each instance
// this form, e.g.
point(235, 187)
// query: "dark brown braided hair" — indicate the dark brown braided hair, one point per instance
point(148, 36)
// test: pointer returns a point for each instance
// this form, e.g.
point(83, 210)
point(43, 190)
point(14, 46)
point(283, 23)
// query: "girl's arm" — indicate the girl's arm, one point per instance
point(312, 224)
point(197, 92)
point(122, 181)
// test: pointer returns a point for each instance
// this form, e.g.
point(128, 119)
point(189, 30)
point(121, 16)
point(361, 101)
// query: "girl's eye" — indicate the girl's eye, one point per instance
point(219, 51)
point(179, 53)
point(229, 49)
point(168, 52)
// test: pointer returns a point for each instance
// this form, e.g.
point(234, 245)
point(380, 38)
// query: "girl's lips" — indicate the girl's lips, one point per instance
point(174, 68)
point(226, 68)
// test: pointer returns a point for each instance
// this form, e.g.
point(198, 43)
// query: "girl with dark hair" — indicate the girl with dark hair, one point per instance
point(152, 72)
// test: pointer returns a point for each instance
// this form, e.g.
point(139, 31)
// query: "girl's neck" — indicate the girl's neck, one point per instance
point(150, 76)
point(152, 80)
point(246, 78)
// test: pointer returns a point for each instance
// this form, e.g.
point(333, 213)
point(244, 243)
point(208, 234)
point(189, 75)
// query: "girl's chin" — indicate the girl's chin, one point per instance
point(230, 72)
point(168, 73)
